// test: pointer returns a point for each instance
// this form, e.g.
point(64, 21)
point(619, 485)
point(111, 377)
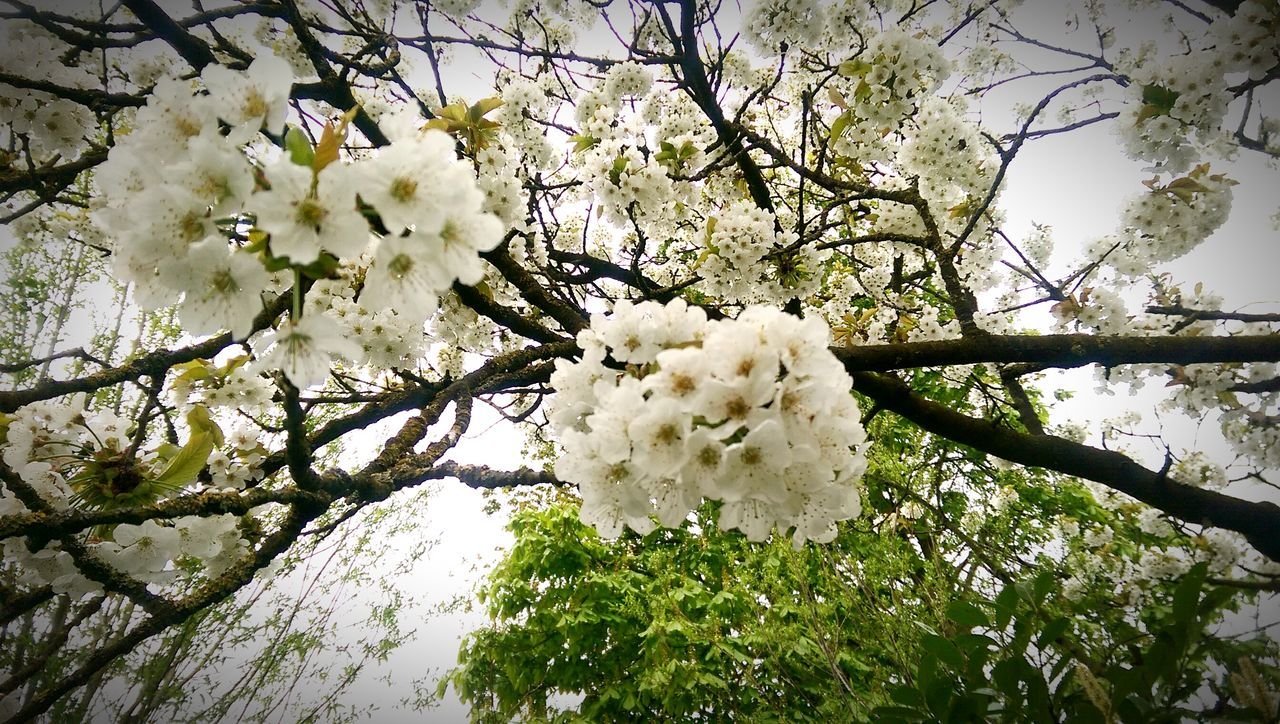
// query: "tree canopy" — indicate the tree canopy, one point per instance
point(749, 283)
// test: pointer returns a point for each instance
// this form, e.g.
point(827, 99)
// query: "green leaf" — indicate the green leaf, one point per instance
point(907, 696)
point(1037, 692)
point(946, 651)
point(483, 106)
point(841, 124)
point(838, 99)
point(1187, 594)
point(199, 420)
point(855, 68)
point(166, 450)
point(967, 614)
point(1042, 586)
point(324, 267)
point(190, 460)
point(194, 371)
point(938, 696)
point(1160, 97)
point(299, 147)
point(1147, 111)
point(582, 142)
point(1005, 604)
point(895, 713)
point(1052, 631)
point(1005, 675)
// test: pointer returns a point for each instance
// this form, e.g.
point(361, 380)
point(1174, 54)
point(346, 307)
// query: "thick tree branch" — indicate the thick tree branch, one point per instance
point(1061, 350)
point(59, 175)
point(1214, 314)
point(504, 316)
point(192, 49)
point(1257, 522)
point(695, 77)
point(570, 318)
point(480, 477)
point(151, 364)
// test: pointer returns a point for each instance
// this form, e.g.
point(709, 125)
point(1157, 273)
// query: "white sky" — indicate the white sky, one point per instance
point(1074, 183)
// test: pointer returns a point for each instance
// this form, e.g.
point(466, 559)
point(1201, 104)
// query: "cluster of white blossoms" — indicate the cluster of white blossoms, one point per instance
point(68, 457)
point(636, 148)
point(169, 184)
point(754, 412)
point(744, 259)
point(625, 182)
point(1168, 222)
point(1171, 109)
point(955, 165)
point(1131, 572)
point(1095, 308)
point(1248, 40)
point(49, 126)
point(627, 80)
point(769, 24)
point(1178, 104)
point(893, 75)
point(221, 224)
point(456, 9)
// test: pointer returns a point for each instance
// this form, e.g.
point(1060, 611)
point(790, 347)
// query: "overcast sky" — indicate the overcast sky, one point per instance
point(1074, 183)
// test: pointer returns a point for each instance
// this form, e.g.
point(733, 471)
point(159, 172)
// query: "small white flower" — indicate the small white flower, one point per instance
point(304, 349)
point(223, 288)
point(243, 437)
point(737, 402)
point(753, 467)
point(705, 463)
point(462, 237)
point(658, 436)
point(199, 537)
point(628, 333)
point(413, 181)
point(618, 406)
point(253, 99)
point(301, 223)
point(145, 548)
point(673, 501)
point(215, 171)
point(405, 275)
point(753, 517)
point(680, 372)
point(173, 116)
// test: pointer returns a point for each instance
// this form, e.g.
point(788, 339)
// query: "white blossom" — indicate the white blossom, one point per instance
point(303, 222)
point(304, 349)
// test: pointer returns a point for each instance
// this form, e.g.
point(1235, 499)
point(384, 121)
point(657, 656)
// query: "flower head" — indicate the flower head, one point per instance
point(253, 99)
point(303, 223)
point(223, 287)
point(304, 349)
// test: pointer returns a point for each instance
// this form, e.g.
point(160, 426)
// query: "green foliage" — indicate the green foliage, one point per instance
point(678, 625)
point(1024, 661)
point(1156, 101)
point(942, 603)
point(299, 147)
point(468, 123)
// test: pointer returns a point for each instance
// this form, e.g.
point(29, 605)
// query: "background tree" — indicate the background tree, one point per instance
point(766, 270)
point(275, 634)
point(906, 616)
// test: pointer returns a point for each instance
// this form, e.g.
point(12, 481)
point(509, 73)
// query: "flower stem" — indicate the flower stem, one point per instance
point(297, 295)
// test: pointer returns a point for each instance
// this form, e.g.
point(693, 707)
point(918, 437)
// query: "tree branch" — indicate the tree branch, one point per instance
point(1061, 350)
point(1256, 521)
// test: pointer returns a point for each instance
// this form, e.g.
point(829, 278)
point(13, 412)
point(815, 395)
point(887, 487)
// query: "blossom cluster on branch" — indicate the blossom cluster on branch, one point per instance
point(776, 282)
point(66, 457)
point(227, 222)
point(753, 412)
